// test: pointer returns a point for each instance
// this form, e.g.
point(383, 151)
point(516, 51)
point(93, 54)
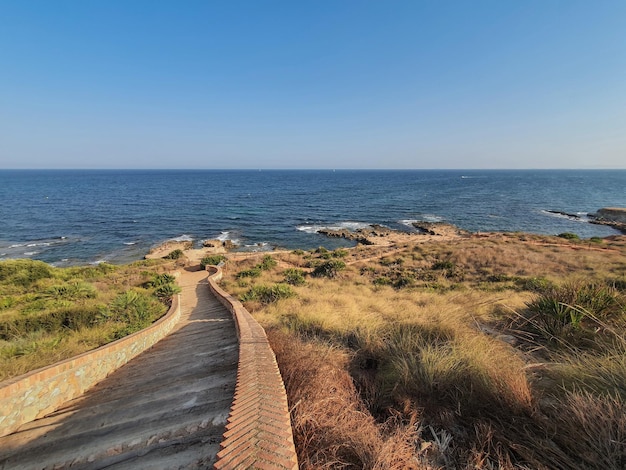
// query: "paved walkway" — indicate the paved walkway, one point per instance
point(165, 409)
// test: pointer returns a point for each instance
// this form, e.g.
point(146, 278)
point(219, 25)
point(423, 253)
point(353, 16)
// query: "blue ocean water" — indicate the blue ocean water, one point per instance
point(77, 217)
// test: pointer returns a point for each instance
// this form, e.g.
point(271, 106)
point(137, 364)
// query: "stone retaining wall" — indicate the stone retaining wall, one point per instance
point(258, 431)
point(37, 393)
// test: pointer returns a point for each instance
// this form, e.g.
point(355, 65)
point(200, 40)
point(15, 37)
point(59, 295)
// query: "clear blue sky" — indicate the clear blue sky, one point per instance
point(312, 84)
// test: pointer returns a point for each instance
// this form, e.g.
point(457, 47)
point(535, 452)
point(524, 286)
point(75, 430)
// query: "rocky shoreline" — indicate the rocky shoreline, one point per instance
point(614, 217)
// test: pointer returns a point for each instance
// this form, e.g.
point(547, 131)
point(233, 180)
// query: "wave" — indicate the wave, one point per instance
point(228, 235)
point(424, 218)
point(130, 243)
point(576, 217)
point(348, 225)
point(182, 238)
point(31, 253)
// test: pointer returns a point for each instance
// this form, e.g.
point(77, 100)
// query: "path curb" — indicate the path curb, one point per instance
point(258, 430)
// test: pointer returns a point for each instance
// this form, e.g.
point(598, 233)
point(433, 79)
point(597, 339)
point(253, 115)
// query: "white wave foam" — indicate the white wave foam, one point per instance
point(424, 218)
point(17, 245)
point(130, 243)
point(30, 253)
point(223, 236)
point(182, 238)
point(432, 218)
point(576, 217)
point(227, 235)
point(408, 222)
point(348, 225)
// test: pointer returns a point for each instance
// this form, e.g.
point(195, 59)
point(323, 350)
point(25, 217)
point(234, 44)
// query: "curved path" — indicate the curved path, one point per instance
point(167, 408)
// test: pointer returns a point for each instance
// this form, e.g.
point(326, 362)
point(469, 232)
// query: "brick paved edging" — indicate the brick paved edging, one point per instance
point(37, 393)
point(258, 432)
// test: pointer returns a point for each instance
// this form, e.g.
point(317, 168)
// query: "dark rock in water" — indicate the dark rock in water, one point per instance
point(438, 228)
point(566, 214)
point(424, 227)
point(611, 216)
point(229, 245)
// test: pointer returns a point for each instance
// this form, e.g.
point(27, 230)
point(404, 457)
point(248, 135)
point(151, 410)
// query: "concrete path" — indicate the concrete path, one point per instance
point(165, 409)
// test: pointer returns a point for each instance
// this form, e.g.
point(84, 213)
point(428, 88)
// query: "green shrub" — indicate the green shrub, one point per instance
point(382, 281)
point(534, 284)
point(596, 240)
point(298, 252)
point(252, 272)
point(443, 265)
point(161, 280)
point(329, 268)
point(293, 276)
point(135, 308)
point(560, 311)
point(340, 253)
point(176, 254)
point(568, 236)
point(166, 291)
point(71, 291)
point(268, 294)
point(211, 260)
point(404, 280)
point(268, 263)
point(24, 272)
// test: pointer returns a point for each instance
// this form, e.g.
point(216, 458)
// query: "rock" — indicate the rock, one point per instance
point(229, 245)
point(611, 216)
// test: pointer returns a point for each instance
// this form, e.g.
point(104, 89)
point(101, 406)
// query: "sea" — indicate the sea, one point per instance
point(78, 217)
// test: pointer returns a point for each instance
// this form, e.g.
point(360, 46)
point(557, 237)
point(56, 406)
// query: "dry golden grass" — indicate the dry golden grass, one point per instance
point(420, 330)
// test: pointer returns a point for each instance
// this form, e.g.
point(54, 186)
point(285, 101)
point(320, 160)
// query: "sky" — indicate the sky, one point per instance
point(313, 84)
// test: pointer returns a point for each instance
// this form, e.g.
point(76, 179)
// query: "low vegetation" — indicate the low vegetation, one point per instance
point(211, 260)
point(48, 314)
point(500, 351)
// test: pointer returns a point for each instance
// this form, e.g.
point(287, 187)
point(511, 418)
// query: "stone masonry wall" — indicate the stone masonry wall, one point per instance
point(258, 431)
point(37, 393)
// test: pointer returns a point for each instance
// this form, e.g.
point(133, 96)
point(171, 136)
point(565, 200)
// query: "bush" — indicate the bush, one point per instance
point(176, 254)
point(293, 276)
point(382, 281)
point(135, 308)
point(167, 291)
point(329, 269)
point(560, 311)
point(340, 253)
point(211, 260)
point(161, 280)
point(72, 291)
point(268, 294)
point(267, 263)
point(443, 265)
point(252, 272)
point(24, 272)
point(535, 284)
point(404, 280)
point(568, 236)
